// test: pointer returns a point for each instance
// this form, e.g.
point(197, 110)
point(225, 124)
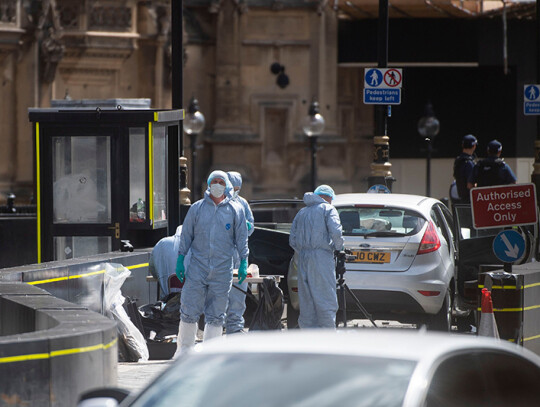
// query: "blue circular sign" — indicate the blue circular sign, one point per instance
point(378, 189)
point(509, 246)
point(373, 78)
point(532, 93)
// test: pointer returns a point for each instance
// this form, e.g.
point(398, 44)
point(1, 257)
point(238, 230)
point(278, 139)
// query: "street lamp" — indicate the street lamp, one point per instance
point(193, 125)
point(428, 127)
point(313, 126)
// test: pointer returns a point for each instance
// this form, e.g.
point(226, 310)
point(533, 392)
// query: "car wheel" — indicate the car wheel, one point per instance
point(442, 321)
point(292, 316)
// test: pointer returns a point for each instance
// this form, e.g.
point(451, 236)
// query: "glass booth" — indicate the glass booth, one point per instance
point(103, 177)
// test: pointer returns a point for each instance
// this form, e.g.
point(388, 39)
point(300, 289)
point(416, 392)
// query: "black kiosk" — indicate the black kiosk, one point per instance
point(104, 175)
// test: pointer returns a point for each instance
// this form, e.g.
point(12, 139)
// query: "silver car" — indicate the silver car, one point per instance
point(357, 367)
point(402, 265)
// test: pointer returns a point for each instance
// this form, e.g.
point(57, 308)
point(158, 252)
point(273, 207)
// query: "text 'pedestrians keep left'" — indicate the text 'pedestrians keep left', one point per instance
point(382, 86)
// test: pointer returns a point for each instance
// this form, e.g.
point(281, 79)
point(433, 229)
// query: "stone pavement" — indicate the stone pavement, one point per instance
point(134, 376)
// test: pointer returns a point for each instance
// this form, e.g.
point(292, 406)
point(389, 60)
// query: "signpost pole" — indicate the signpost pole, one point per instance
point(381, 167)
point(507, 267)
point(535, 176)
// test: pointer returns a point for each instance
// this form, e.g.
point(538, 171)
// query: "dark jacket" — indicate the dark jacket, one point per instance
point(463, 168)
point(492, 171)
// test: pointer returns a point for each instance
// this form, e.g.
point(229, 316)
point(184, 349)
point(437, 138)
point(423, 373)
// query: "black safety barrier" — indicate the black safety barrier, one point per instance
point(51, 350)
point(18, 237)
point(516, 303)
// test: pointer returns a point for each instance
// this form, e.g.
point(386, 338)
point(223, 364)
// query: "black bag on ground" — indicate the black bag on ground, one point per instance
point(162, 317)
point(270, 308)
point(130, 305)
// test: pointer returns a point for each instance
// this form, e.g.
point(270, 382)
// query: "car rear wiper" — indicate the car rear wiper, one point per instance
point(384, 234)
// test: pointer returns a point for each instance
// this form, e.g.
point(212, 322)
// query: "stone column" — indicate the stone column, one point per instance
point(228, 78)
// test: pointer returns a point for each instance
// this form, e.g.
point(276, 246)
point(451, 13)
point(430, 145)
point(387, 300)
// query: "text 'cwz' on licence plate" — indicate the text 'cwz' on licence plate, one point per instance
point(372, 257)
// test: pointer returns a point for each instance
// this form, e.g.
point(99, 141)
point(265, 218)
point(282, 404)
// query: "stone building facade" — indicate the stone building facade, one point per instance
point(255, 66)
point(102, 49)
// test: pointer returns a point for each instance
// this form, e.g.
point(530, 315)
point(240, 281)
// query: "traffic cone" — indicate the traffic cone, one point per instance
point(488, 325)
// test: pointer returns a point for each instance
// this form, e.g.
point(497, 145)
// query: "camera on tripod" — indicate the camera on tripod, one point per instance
point(342, 256)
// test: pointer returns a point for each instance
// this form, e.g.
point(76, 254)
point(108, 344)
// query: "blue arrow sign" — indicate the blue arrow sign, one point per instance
point(508, 246)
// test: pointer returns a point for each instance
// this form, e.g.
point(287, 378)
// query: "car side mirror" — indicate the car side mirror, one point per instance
point(103, 397)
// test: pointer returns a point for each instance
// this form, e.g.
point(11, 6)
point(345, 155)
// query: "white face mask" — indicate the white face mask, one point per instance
point(217, 190)
point(236, 193)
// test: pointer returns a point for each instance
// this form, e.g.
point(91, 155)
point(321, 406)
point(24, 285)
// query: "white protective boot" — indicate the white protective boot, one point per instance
point(212, 331)
point(187, 333)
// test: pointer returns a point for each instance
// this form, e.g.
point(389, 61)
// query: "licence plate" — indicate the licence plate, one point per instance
point(372, 257)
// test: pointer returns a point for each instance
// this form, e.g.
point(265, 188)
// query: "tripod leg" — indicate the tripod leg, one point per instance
point(359, 304)
point(342, 303)
point(343, 300)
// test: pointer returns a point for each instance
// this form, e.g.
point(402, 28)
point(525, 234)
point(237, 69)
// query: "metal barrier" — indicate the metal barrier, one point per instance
point(51, 350)
point(516, 303)
point(54, 344)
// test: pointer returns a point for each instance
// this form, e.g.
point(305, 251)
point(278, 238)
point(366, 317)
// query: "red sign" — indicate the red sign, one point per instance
point(503, 205)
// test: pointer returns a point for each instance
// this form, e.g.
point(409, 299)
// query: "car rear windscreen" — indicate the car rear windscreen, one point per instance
point(360, 220)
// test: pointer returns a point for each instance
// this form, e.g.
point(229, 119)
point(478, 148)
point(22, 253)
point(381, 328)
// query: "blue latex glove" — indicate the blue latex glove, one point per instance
point(180, 269)
point(242, 271)
point(249, 225)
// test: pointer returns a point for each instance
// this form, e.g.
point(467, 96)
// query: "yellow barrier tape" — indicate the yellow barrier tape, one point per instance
point(137, 266)
point(151, 173)
point(93, 273)
point(38, 194)
point(510, 287)
point(529, 308)
point(531, 338)
point(503, 287)
point(56, 353)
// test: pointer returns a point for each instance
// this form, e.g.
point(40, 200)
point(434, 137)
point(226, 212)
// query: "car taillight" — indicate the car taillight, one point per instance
point(429, 293)
point(430, 241)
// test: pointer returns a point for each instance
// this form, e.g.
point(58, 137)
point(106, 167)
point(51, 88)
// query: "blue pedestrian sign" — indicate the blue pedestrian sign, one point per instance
point(382, 86)
point(531, 99)
point(508, 246)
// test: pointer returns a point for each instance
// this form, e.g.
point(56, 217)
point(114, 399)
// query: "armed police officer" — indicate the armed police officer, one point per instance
point(463, 168)
point(492, 170)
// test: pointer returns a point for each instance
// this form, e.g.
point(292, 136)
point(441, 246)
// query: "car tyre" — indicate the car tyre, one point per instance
point(442, 320)
point(292, 316)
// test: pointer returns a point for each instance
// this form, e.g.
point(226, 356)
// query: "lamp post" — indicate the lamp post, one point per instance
point(313, 126)
point(428, 127)
point(193, 125)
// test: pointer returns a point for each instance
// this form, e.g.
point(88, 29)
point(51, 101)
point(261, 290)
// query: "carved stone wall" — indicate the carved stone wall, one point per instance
point(89, 49)
point(255, 127)
point(82, 48)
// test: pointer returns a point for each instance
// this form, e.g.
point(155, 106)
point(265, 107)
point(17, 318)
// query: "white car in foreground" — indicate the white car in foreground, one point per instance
point(360, 367)
point(404, 265)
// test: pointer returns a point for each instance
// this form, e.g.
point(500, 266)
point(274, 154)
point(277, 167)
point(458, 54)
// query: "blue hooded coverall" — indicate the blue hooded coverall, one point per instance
point(234, 321)
point(315, 234)
point(162, 262)
point(212, 233)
